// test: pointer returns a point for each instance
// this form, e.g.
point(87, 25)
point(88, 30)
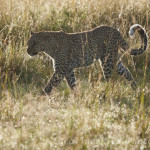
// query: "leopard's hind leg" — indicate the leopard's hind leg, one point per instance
point(123, 71)
point(107, 64)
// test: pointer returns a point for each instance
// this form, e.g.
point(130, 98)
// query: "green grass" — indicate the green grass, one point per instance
point(96, 115)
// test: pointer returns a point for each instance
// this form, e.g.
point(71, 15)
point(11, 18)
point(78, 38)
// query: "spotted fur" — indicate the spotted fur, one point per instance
point(73, 50)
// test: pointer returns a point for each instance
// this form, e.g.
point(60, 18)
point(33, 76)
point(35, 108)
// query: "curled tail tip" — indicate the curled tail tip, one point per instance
point(133, 28)
point(144, 37)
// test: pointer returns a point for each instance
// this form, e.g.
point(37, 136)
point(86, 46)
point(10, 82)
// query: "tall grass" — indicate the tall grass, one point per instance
point(97, 115)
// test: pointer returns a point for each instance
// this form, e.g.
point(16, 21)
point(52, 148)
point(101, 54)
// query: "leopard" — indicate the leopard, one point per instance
point(69, 51)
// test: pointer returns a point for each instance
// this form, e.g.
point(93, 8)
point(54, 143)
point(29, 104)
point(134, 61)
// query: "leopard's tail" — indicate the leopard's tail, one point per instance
point(141, 31)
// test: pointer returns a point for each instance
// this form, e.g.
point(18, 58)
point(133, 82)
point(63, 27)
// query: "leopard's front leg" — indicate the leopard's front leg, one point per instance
point(70, 77)
point(54, 82)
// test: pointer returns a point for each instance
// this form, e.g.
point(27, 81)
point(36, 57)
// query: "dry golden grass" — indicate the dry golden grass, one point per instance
point(97, 115)
point(81, 120)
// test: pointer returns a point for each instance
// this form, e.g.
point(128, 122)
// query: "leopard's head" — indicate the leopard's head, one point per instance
point(34, 44)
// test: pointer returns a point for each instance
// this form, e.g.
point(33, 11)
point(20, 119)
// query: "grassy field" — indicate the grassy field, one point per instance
point(97, 115)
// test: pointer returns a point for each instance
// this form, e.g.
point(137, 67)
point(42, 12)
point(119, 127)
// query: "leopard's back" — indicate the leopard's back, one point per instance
point(85, 47)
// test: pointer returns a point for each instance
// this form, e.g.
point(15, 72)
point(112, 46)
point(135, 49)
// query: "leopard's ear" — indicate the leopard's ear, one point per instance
point(32, 33)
